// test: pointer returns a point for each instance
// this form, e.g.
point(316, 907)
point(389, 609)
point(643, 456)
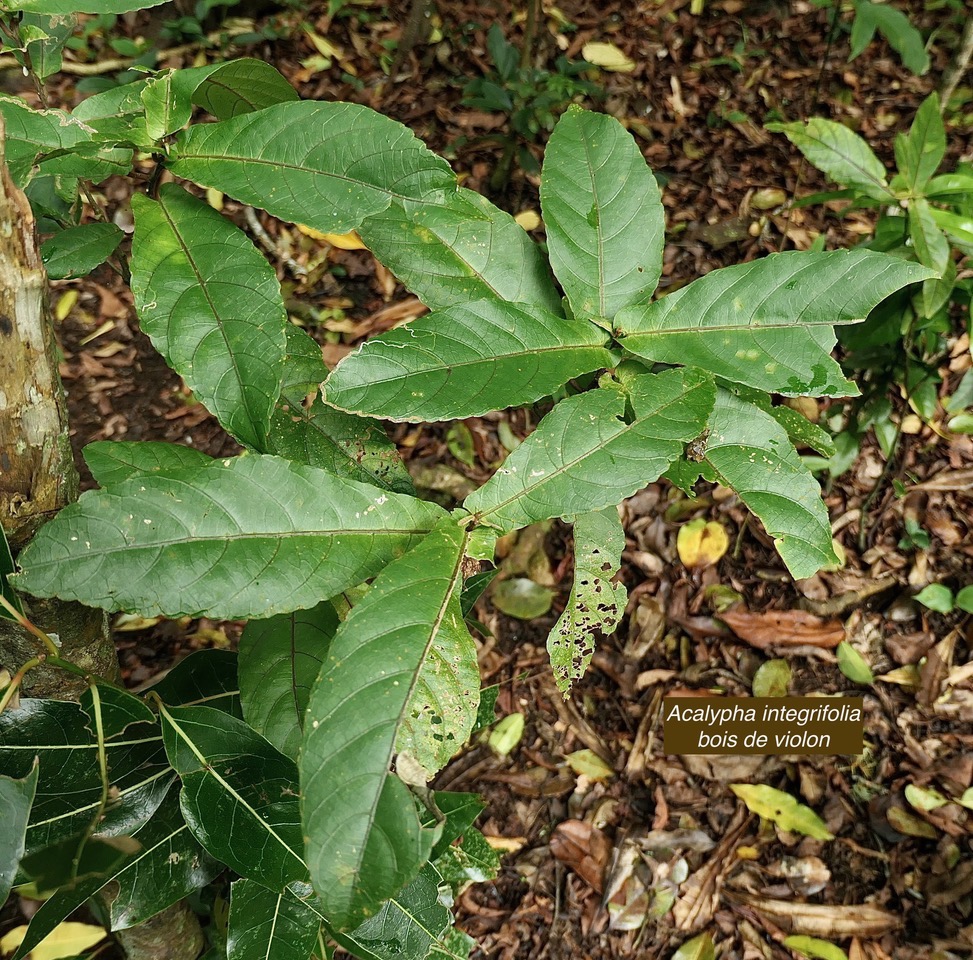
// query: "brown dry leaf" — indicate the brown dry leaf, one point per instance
point(821, 919)
point(584, 848)
point(949, 480)
point(784, 628)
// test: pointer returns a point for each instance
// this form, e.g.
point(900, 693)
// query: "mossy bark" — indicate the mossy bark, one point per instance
point(38, 478)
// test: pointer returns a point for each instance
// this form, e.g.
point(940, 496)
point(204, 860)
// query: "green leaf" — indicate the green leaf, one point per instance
point(931, 247)
point(58, 733)
point(603, 214)
point(751, 454)
point(451, 250)
point(964, 599)
point(919, 152)
point(800, 431)
point(357, 448)
point(782, 809)
point(584, 457)
point(211, 305)
point(114, 461)
point(116, 115)
point(595, 604)
point(230, 89)
point(895, 26)
point(16, 796)
point(772, 679)
point(115, 710)
point(472, 860)
point(30, 133)
point(769, 323)
point(75, 252)
point(936, 597)
point(840, 153)
point(268, 923)
point(60, 7)
point(6, 569)
point(206, 677)
point(405, 927)
point(853, 665)
point(813, 947)
point(280, 658)
point(521, 598)
point(958, 227)
point(365, 839)
point(239, 795)
point(330, 177)
point(466, 361)
point(924, 798)
point(231, 539)
point(45, 54)
point(699, 948)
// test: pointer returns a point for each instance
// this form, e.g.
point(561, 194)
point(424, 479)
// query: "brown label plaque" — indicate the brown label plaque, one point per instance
point(763, 725)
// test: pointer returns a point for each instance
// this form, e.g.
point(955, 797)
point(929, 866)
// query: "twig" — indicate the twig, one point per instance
point(270, 245)
point(959, 66)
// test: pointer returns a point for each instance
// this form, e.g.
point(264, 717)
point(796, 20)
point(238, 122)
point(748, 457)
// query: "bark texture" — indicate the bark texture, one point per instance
point(174, 934)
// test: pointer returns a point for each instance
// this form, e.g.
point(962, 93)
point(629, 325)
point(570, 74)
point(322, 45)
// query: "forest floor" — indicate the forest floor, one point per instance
point(898, 881)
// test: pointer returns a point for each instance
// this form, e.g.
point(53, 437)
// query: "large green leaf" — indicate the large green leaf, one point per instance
point(280, 658)
point(305, 429)
point(751, 453)
point(113, 461)
point(895, 26)
point(247, 537)
point(365, 841)
point(29, 133)
point(465, 361)
point(81, 6)
point(239, 795)
point(16, 796)
point(204, 678)
point(59, 734)
point(212, 307)
point(46, 48)
point(116, 115)
point(168, 865)
point(268, 924)
point(603, 214)
point(584, 456)
point(769, 323)
point(328, 165)
point(459, 248)
point(596, 604)
point(75, 252)
point(919, 152)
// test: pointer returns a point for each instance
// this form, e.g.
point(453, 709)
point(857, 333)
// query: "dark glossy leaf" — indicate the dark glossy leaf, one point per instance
point(16, 796)
point(114, 711)
point(460, 248)
point(58, 733)
point(204, 678)
point(330, 178)
point(246, 537)
point(239, 795)
point(268, 925)
point(75, 861)
point(114, 461)
point(365, 839)
point(280, 658)
point(306, 430)
point(211, 305)
point(75, 252)
point(465, 361)
point(460, 811)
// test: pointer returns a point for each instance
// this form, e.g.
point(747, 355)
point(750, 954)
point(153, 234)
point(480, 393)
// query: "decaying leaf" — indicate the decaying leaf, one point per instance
point(784, 628)
point(65, 940)
point(782, 809)
point(772, 679)
point(832, 922)
point(584, 848)
point(608, 57)
point(701, 543)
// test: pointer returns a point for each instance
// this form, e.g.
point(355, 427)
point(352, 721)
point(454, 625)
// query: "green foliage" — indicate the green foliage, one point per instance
point(892, 24)
point(301, 764)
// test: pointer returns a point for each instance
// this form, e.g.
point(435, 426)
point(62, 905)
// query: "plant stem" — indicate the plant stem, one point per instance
point(959, 66)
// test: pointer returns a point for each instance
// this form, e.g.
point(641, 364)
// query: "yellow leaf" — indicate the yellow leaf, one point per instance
point(528, 219)
point(587, 763)
point(507, 733)
point(214, 198)
point(65, 940)
point(65, 305)
point(608, 57)
point(343, 241)
point(701, 543)
point(783, 809)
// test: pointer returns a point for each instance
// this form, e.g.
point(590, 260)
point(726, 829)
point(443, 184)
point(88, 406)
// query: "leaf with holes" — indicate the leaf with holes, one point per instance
point(595, 604)
point(212, 307)
point(365, 838)
point(248, 537)
point(603, 214)
point(465, 361)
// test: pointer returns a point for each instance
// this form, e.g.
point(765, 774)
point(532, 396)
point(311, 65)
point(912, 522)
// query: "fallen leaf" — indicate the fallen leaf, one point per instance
point(607, 56)
point(507, 733)
point(783, 809)
point(343, 241)
point(701, 543)
point(521, 598)
point(853, 665)
point(699, 948)
point(924, 798)
point(822, 919)
point(65, 940)
point(584, 848)
point(587, 763)
point(772, 679)
point(784, 628)
point(528, 219)
point(815, 948)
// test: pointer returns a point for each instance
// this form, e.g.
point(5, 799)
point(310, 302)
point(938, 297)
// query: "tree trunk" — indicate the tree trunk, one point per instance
point(37, 478)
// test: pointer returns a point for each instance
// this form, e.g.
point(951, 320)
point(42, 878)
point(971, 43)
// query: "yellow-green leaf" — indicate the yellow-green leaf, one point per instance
point(65, 940)
point(813, 947)
point(507, 733)
point(772, 679)
point(853, 665)
point(608, 57)
point(587, 763)
point(783, 809)
point(701, 543)
point(699, 948)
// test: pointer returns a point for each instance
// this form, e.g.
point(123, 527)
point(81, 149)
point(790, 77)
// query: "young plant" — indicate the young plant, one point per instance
point(300, 766)
point(924, 218)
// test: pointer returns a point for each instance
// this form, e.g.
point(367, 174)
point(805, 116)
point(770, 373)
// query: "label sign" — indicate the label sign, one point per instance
point(763, 725)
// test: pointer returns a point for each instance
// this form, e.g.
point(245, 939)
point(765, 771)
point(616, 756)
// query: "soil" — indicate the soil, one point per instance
point(702, 87)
